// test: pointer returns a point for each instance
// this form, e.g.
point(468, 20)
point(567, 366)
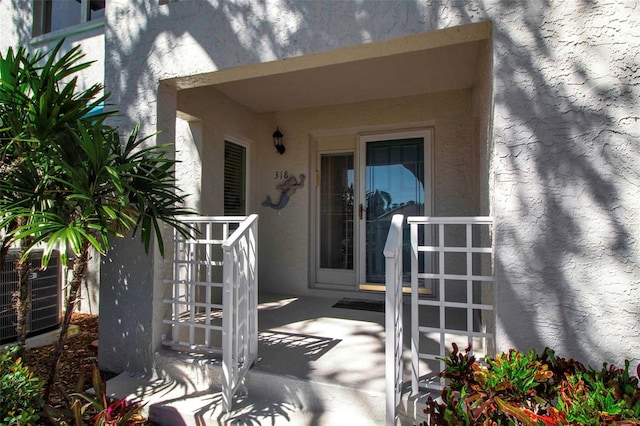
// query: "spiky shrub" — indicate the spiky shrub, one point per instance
point(107, 412)
point(20, 391)
point(608, 396)
point(96, 408)
point(67, 180)
point(517, 388)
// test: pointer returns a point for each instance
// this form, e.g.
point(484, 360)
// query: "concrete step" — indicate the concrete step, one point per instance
point(412, 407)
point(185, 390)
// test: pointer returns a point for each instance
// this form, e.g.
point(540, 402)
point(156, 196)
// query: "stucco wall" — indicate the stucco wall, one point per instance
point(189, 155)
point(15, 16)
point(482, 108)
point(566, 128)
point(566, 105)
point(220, 119)
point(565, 170)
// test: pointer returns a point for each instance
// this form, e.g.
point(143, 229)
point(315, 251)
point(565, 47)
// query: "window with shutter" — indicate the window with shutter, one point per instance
point(235, 188)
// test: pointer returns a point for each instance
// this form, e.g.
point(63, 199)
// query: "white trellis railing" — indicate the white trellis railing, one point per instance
point(393, 319)
point(213, 293)
point(240, 307)
point(454, 255)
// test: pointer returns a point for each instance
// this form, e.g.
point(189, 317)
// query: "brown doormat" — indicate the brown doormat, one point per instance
point(362, 305)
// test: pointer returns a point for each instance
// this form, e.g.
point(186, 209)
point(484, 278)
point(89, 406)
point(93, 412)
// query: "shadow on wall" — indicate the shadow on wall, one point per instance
point(126, 308)
point(565, 132)
point(563, 153)
point(21, 20)
point(565, 183)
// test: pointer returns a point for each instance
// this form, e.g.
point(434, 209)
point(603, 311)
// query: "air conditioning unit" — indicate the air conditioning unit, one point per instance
point(45, 312)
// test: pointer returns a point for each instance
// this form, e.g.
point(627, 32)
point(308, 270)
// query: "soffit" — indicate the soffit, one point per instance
point(423, 63)
point(434, 70)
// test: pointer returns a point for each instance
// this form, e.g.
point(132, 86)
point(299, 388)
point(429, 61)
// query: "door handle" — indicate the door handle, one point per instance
point(362, 210)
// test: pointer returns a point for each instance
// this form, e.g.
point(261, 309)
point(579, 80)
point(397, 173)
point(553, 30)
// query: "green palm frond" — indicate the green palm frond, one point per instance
point(67, 180)
point(64, 171)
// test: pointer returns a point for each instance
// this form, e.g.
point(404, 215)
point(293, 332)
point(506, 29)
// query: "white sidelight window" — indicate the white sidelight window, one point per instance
point(336, 211)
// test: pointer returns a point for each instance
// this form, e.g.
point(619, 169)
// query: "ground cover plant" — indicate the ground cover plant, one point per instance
point(20, 392)
point(95, 408)
point(527, 388)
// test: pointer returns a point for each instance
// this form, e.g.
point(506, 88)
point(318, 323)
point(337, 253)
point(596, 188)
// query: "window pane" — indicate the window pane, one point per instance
point(336, 211)
point(96, 9)
point(394, 185)
point(234, 179)
point(61, 14)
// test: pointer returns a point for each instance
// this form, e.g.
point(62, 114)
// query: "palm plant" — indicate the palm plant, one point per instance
point(78, 184)
point(35, 107)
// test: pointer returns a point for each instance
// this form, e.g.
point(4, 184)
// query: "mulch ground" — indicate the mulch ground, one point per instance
point(78, 357)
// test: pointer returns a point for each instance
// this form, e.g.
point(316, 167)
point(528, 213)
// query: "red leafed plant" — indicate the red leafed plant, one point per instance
point(97, 409)
point(518, 388)
point(116, 413)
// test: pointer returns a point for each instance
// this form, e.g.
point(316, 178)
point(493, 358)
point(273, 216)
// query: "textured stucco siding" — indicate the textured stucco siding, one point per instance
point(565, 175)
point(220, 118)
point(560, 172)
point(15, 16)
point(564, 159)
point(566, 164)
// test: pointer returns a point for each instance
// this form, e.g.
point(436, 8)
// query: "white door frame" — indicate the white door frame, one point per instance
point(363, 139)
point(343, 278)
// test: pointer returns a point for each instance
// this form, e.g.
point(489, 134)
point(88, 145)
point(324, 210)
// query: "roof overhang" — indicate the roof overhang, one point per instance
point(423, 63)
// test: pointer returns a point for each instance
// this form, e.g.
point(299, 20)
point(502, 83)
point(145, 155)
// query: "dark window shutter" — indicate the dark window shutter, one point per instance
point(235, 187)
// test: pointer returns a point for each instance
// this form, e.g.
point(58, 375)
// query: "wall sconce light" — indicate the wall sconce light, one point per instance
point(277, 141)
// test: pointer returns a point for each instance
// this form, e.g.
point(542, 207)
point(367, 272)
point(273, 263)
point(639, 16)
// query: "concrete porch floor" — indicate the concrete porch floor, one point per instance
point(317, 365)
point(309, 339)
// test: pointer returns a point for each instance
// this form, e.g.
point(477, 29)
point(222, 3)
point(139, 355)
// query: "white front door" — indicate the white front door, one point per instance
point(358, 191)
point(395, 176)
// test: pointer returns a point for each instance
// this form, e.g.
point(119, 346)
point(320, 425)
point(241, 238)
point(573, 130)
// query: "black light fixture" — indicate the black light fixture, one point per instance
point(277, 141)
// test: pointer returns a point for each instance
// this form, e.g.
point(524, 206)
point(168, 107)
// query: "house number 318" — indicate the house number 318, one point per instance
point(281, 174)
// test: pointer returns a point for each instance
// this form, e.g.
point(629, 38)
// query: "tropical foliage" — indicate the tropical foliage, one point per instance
point(517, 388)
point(67, 180)
point(95, 408)
point(20, 391)
point(36, 111)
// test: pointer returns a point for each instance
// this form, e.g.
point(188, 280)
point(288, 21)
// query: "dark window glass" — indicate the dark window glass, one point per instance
point(336, 211)
point(394, 184)
point(96, 9)
point(61, 14)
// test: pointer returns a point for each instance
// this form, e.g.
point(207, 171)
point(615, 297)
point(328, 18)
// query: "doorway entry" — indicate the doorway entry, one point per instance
point(395, 178)
point(358, 194)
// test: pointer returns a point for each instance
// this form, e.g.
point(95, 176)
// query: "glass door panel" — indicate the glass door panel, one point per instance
point(394, 183)
point(336, 211)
